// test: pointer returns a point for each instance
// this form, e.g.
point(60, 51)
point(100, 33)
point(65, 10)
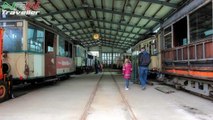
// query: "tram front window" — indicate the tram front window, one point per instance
point(13, 36)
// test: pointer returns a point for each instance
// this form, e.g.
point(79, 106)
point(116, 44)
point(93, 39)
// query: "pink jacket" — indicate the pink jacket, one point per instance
point(127, 70)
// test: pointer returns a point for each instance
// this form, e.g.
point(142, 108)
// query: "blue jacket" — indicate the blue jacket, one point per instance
point(144, 59)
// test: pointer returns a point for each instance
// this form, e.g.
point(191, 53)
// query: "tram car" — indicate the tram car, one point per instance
point(35, 53)
point(187, 50)
point(151, 46)
point(80, 58)
point(182, 51)
point(90, 61)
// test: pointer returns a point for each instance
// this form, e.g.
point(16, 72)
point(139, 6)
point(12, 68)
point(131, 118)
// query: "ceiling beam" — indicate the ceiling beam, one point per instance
point(117, 23)
point(97, 9)
point(172, 5)
point(103, 29)
point(57, 12)
point(125, 14)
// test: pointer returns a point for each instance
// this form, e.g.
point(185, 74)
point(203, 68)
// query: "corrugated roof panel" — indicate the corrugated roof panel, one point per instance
point(108, 16)
point(74, 32)
point(118, 5)
point(82, 24)
point(59, 5)
point(68, 26)
point(68, 16)
point(99, 15)
point(68, 3)
point(82, 14)
point(131, 35)
point(152, 10)
point(122, 27)
point(42, 10)
point(126, 34)
point(49, 7)
point(135, 30)
point(164, 11)
point(77, 2)
point(117, 18)
point(75, 25)
point(150, 24)
point(75, 14)
point(107, 25)
point(134, 20)
point(108, 31)
point(93, 13)
point(142, 22)
point(142, 31)
point(107, 4)
point(114, 27)
point(129, 29)
point(120, 33)
point(97, 3)
point(141, 8)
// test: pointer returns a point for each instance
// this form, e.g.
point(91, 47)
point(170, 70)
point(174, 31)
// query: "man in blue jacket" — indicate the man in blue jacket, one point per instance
point(143, 60)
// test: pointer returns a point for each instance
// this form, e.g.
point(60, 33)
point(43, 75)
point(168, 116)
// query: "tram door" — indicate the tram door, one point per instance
point(50, 54)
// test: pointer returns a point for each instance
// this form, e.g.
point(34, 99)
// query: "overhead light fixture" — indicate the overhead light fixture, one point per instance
point(129, 5)
point(96, 36)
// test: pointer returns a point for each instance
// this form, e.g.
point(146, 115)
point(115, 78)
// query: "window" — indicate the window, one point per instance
point(167, 38)
point(61, 46)
point(201, 23)
point(108, 57)
point(168, 41)
point(35, 39)
point(13, 36)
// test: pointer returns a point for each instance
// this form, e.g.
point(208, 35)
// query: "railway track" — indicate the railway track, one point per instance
point(97, 98)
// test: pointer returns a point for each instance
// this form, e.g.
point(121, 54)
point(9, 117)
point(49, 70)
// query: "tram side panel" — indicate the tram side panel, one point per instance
point(65, 64)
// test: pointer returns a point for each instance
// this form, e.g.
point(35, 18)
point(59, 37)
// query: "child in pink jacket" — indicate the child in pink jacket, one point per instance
point(127, 70)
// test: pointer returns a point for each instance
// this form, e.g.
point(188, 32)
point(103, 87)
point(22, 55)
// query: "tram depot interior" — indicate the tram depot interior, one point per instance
point(48, 50)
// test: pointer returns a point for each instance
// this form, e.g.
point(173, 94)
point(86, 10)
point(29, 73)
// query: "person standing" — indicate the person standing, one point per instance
point(96, 65)
point(127, 70)
point(143, 60)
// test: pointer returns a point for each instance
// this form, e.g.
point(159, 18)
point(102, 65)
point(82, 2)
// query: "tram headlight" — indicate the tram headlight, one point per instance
point(6, 68)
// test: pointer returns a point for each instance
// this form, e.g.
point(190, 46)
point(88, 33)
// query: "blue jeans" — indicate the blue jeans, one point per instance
point(143, 71)
point(126, 83)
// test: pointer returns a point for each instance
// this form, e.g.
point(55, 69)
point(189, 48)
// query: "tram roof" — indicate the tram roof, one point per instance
point(121, 23)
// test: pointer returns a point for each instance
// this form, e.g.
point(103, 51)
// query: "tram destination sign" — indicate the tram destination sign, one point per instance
point(20, 8)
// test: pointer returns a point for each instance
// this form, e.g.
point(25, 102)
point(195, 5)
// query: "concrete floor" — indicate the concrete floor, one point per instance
point(67, 99)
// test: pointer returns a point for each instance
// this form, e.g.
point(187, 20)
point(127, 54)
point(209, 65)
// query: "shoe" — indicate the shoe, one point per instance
point(126, 88)
point(143, 88)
